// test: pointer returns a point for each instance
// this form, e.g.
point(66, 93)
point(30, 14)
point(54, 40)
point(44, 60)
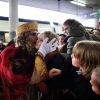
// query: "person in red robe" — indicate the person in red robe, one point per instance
point(18, 63)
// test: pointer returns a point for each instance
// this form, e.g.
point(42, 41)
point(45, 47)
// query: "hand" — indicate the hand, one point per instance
point(46, 47)
point(54, 72)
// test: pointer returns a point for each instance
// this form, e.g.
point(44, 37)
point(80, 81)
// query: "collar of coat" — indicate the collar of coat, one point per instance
point(50, 55)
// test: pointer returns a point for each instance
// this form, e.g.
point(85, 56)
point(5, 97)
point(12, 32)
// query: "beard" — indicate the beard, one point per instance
point(30, 46)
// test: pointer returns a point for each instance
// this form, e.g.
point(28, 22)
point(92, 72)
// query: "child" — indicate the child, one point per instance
point(58, 68)
point(63, 75)
point(62, 43)
point(95, 80)
point(86, 56)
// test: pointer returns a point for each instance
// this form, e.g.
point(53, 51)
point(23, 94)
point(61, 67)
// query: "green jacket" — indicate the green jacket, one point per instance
point(77, 33)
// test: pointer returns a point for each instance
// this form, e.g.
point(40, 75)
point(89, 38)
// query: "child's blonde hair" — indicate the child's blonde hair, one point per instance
point(50, 35)
point(88, 54)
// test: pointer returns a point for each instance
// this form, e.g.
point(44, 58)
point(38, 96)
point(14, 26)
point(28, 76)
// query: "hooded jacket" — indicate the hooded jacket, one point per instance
point(77, 33)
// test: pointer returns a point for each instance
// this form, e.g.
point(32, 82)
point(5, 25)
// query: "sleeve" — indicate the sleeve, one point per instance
point(87, 93)
point(40, 71)
point(71, 42)
point(95, 37)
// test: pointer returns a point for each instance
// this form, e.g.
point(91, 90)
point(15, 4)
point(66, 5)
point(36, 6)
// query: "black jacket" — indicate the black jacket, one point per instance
point(79, 87)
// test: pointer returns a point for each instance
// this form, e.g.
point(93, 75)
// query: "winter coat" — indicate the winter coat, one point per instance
point(77, 33)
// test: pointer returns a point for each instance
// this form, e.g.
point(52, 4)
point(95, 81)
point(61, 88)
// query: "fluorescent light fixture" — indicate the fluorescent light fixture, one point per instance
point(78, 3)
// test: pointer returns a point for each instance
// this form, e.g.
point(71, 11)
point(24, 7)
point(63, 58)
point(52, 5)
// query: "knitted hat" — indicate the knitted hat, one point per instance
point(30, 26)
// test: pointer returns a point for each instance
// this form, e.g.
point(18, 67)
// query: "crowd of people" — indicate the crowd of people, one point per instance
point(47, 66)
point(96, 30)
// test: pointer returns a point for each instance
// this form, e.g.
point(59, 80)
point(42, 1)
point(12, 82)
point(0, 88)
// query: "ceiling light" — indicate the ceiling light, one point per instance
point(78, 3)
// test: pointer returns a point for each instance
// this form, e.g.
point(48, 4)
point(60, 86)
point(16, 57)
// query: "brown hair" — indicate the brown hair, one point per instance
point(69, 22)
point(88, 54)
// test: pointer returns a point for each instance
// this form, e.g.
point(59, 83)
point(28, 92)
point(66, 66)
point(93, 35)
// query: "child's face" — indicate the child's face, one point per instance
point(61, 40)
point(75, 61)
point(94, 84)
point(96, 32)
point(39, 41)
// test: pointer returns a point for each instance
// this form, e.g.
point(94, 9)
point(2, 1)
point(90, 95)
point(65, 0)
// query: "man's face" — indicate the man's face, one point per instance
point(65, 29)
point(33, 36)
point(97, 26)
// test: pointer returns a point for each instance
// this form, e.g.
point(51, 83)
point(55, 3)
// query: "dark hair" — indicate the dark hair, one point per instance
point(96, 29)
point(69, 22)
point(2, 39)
point(62, 35)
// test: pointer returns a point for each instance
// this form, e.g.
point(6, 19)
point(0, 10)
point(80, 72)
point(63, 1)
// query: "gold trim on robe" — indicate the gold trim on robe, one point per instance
point(40, 71)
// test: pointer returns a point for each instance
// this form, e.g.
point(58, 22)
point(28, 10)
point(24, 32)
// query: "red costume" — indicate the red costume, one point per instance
point(15, 71)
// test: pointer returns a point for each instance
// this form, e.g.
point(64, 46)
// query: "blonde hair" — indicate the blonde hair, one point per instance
point(50, 35)
point(23, 42)
point(88, 54)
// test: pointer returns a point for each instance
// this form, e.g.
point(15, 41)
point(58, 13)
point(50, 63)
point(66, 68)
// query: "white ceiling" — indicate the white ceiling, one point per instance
point(61, 6)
